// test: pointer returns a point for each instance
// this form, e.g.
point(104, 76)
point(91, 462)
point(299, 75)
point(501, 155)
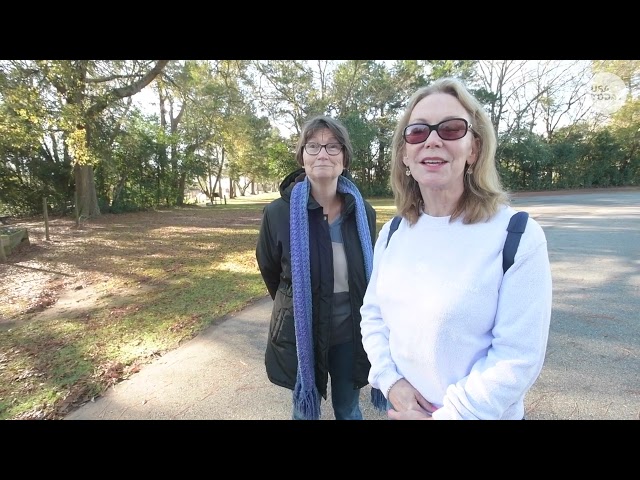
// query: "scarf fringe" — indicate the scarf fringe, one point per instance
point(307, 403)
point(378, 400)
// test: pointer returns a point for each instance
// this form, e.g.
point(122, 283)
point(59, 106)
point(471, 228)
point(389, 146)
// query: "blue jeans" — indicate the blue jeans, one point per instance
point(344, 398)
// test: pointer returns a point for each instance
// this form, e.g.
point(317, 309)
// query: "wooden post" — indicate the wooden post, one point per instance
point(46, 217)
point(3, 257)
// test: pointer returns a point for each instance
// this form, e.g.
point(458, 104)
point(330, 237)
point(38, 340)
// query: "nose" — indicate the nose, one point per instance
point(432, 138)
point(323, 147)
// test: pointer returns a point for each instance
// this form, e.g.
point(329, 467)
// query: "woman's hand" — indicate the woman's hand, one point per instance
point(408, 403)
point(408, 415)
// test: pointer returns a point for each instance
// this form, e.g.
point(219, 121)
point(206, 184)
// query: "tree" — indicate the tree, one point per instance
point(289, 91)
point(87, 88)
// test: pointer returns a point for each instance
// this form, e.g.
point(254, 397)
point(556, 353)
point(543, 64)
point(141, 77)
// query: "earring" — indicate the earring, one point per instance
point(407, 172)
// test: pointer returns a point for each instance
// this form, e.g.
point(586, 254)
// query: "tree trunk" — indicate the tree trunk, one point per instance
point(181, 188)
point(232, 191)
point(86, 191)
point(118, 190)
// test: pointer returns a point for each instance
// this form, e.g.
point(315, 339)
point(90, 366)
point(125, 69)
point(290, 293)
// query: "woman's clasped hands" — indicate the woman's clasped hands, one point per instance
point(408, 403)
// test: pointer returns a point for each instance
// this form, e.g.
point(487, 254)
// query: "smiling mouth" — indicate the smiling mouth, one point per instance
point(432, 162)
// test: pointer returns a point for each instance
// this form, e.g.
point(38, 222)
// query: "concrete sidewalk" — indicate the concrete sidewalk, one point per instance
point(219, 374)
point(592, 368)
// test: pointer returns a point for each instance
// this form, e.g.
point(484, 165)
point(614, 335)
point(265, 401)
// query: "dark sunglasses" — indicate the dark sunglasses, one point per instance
point(451, 129)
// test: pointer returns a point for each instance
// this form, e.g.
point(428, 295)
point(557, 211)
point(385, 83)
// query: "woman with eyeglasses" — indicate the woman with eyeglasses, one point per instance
point(448, 334)
point(315, 254)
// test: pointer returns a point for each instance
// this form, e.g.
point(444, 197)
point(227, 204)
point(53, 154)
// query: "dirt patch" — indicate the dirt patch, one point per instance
point(34, 277)
point(75, 269)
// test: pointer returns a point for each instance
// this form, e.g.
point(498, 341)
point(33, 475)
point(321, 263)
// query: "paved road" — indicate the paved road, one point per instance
point(592, 368)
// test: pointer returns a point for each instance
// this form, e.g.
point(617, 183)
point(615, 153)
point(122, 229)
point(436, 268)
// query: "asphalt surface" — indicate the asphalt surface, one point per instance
point(591, 371)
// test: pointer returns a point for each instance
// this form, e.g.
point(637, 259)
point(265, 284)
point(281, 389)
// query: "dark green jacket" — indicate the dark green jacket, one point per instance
point(273, 254)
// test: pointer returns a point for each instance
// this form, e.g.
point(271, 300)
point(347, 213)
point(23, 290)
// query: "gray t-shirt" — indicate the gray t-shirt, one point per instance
point(342, 322)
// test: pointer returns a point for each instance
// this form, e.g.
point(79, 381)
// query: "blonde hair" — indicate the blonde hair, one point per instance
point(483, 192)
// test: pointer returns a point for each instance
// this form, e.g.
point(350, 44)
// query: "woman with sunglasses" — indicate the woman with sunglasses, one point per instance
point(315, 254)
point(448, 334)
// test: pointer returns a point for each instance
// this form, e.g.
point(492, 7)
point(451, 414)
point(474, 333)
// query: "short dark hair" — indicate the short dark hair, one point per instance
point(336, 127)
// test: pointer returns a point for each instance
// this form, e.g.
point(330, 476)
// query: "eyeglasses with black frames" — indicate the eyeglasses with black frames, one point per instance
point(450, 129)
point(313, 148)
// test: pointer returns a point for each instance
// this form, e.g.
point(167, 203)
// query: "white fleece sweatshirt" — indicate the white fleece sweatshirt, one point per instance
point(439, 313)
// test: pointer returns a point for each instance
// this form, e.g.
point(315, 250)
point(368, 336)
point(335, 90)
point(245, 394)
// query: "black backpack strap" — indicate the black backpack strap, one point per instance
point(516, 227)
point(394, 226)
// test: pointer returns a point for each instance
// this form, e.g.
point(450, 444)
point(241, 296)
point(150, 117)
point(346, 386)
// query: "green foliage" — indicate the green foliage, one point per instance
point(602, 162)
point(462, 69)
point(130, 176)
point(213, 125)
point(525, 162)
point(281, 160)
point(576, 158)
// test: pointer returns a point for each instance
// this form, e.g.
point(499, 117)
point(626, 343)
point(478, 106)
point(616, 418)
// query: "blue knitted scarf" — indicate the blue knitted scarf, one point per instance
point(306, 397)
